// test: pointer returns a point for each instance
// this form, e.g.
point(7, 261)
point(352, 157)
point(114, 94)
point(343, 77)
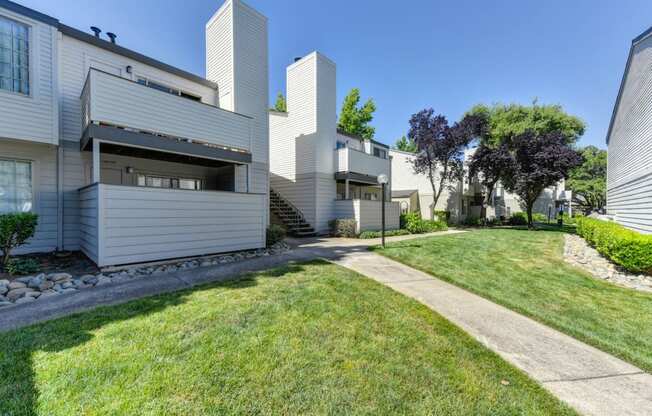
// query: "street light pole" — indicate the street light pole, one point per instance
point(382, 180)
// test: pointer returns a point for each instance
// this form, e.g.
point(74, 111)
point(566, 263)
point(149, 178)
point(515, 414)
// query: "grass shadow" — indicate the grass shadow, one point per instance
point(18, 390)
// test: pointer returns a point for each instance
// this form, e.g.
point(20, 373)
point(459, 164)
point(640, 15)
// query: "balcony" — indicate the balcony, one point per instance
point(110, 100)
point(355, 161)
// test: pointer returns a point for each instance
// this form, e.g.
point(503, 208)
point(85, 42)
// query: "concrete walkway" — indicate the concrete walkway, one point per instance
point(591, 381)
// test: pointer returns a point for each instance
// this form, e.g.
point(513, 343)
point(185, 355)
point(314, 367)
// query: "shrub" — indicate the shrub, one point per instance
point(518, 218)
point(539, 217)
point(275, 234)
point(22, 266)
point(472, 221)
point(343, 227)
point(15, 229)
point(439, 225)
point(408, 218)
point(444, 216)
point(625, 247)
point(388, 233)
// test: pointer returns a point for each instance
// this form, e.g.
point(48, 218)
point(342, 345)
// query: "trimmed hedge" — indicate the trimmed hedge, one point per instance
point(625, 247)
point(376, 234)
point(413, 223)
point(518, 218)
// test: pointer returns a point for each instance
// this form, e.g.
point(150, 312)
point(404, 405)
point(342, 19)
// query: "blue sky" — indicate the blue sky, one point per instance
point(448, 55)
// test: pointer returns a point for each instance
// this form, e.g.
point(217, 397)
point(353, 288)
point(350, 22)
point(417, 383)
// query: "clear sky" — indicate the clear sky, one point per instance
point(409, 55)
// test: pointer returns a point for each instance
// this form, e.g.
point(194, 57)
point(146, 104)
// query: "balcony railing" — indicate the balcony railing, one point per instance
point(112, 100)
point(350, 160)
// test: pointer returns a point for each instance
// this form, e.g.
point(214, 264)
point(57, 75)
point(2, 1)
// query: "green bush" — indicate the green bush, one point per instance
point(275, 234)
point(415, 225)
point(625, 247)
point(388, 233)
point(518, 218)
point(22, 266)
point(444, 216)
point(15, 229)
point(439, 225)
point(539, 217)
point(343, 227)
point(472, 221)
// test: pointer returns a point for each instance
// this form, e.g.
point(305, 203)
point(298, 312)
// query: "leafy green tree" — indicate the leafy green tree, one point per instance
point(354, 119)
point(405, 145)
point(281, 104)
point(588, 182)
point(507, 121)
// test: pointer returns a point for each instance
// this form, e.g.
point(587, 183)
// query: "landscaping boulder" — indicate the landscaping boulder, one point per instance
point(25, 299)
point(16, 285)
point(36, 281)
point(14, 294)
point(3, 289)
point(60, 277)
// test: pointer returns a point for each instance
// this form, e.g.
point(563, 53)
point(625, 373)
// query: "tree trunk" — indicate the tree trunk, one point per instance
point(530, 223)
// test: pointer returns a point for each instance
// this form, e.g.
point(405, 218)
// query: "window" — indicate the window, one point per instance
point(340, 145)
point(381, 153)
point(14, 56)
point(170, 90)
point(154, 181)
point(15, 186)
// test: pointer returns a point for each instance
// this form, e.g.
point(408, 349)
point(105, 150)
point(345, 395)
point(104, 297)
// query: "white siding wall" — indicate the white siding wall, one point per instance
point(121, 102)
point(88, 220)
point(146, 224)
point(629, 164)
point(350, 160)
point(368, 214)
point(34, 117)
point(302, 141)
point(44, 183)
point(237, 59)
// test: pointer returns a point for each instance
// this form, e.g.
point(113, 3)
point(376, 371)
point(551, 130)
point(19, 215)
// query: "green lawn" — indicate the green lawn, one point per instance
point(525, 271)
point(304, 339)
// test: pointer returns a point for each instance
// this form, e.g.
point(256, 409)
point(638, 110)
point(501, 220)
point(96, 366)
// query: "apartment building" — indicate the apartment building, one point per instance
point(127, 158)
point(318, 174)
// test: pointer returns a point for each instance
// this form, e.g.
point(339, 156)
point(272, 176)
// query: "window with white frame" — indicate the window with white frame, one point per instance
point(16, 194)
point(156, 181)
point(14, 56)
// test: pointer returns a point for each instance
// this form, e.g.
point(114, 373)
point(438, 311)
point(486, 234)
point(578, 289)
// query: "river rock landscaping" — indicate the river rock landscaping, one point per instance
point(27, 289)
point(578, 253)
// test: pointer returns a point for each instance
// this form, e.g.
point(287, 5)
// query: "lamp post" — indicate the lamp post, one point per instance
point(382, 180)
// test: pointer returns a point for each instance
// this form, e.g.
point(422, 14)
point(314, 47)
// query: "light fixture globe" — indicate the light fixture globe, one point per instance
point(382, 179)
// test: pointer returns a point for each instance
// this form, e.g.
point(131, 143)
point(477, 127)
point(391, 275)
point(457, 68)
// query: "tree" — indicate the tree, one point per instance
point(281, 104)
point(589, 180)
point(509, 121)
point(490, 164)
point(539, 161)
point(440, 147)
point(355, 120)
point(405, 145)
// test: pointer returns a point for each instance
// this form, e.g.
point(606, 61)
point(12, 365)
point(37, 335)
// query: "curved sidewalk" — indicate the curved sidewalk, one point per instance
point(591, 381)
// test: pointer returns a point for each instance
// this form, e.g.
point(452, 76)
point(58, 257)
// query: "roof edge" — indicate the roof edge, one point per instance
point(27, 12)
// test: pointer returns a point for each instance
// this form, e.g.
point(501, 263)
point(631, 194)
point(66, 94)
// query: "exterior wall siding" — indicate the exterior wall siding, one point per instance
point(368, 214)
point(44, 188)
point(145, 224)
point(34, 117)
point(88, 221)
point(629, 159)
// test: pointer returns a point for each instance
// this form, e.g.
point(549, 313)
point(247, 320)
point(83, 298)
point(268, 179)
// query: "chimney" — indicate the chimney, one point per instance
point(111, 36)
point(96, 30)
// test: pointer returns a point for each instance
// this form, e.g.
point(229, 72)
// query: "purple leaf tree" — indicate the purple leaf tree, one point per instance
point(440, 147)
point(540, 161)
point(489, 164)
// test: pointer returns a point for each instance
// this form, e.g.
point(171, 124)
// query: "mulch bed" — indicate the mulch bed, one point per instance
point(73, 262)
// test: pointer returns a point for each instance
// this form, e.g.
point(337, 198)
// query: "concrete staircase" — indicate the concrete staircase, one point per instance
point(290, 216)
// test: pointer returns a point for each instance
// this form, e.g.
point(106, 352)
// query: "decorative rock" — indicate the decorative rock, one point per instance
point(59, 277)
point(48, 293)
point(25, 299)
point(34, 294)
point(578, 253)
point(4, 282)
point(4, 304)
point(16, 285)
point(14, 294)
point(35, 282)
point(3, 289)
point(103, 281)
point(24, 279)
point(67, 285)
